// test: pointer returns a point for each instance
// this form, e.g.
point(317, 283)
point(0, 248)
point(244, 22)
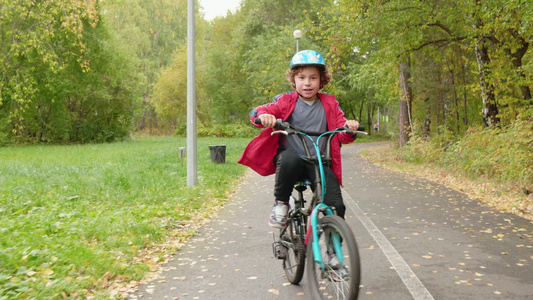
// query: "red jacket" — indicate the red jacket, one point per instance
point(260, 152)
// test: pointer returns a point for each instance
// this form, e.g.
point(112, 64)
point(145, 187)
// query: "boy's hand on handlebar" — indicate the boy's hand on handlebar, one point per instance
point(352, 124)
point(268, 120)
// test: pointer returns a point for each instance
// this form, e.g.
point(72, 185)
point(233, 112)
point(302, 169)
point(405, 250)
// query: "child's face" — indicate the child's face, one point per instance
point(307, 83)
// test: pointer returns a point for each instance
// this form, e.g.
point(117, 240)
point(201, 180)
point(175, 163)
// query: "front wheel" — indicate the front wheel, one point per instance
point(340, 277)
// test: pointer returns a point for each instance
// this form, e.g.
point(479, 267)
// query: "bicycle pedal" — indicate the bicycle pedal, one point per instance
point(280, 252)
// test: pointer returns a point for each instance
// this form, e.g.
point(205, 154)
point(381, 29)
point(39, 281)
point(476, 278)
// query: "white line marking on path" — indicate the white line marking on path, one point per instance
point(409, 278)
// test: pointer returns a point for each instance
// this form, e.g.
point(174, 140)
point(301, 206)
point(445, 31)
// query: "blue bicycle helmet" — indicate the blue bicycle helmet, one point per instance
point(307, 58)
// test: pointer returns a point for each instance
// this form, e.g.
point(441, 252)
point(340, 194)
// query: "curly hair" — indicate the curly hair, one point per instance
point(325, 75)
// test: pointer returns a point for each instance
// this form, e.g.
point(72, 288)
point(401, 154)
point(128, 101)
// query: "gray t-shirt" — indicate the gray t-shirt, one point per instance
point(308, 118)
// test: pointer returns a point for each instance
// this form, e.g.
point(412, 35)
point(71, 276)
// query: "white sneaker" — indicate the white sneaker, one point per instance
point(278, 217)
point(329, 260)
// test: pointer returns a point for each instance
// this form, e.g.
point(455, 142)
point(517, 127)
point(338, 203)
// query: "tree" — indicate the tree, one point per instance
point(501, 40)
point(406, 101)
point(492, 40)
point(153, 30)
point(228, 95)
point(62, 77)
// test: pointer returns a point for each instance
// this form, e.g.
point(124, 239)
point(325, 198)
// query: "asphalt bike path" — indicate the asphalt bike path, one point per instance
point(417, 240)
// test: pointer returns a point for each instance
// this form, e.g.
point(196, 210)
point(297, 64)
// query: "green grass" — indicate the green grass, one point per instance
point(73, 217)
point(373, 138)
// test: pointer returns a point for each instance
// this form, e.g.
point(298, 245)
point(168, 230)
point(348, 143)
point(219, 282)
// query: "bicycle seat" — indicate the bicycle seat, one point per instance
point(303, 182)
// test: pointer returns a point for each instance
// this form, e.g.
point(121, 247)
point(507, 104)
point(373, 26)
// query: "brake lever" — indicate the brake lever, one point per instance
point(286, 131)
point(279, 132)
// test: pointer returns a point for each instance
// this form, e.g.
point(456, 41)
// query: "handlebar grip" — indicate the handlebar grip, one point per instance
point(279, 124)
point(349, 131)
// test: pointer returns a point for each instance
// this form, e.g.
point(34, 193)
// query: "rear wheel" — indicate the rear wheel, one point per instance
point(340, 278)
point(294, 263)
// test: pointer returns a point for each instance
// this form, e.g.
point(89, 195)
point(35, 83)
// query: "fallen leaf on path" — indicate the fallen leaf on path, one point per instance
point(274, 291)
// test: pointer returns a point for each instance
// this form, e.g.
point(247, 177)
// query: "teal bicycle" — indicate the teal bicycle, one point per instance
point(316, 233)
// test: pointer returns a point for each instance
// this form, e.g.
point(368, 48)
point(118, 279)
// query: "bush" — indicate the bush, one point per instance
point(5, 137)
point(505, 154)
point(419, 150)
point(227, 130)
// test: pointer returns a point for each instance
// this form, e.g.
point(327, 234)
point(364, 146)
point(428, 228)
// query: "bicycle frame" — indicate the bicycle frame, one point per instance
point(320, 207)
point(320, 188)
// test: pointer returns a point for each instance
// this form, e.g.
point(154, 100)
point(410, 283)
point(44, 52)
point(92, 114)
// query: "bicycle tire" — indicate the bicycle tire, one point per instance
point(331, 283)
point(294, 263)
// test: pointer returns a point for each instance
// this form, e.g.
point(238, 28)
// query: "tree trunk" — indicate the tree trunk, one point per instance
point(361, 111)
point(465, 93)
point(490, 109)
point(516, 58)
point(427, 123)
point(405, 101)
point(455, 100)
point(370, 116)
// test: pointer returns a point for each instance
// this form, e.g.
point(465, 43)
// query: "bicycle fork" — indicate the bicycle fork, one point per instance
point(313, 230)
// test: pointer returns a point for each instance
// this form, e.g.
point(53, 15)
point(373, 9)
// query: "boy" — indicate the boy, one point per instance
point(308, 110)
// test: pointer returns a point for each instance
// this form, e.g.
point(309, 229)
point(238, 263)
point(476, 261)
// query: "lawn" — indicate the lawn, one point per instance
point(73, 218)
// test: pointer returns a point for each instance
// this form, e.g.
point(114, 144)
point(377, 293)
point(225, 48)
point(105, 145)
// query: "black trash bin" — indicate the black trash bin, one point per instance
point(218, 153)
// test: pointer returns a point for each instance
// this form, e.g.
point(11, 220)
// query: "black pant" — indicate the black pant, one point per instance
point(291, 168)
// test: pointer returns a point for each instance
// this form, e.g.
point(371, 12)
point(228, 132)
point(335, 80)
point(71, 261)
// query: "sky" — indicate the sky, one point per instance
point(218, 8)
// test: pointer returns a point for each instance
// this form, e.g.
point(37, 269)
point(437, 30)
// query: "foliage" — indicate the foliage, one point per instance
point(85, 70)
point(504, 154)
point(170, 89)
point(74, 218)
point(63, 79)
point(227, 93)
point(170, 97)
point(221, 130)
point(442, 44)
point(248, 54)
point(153, 31)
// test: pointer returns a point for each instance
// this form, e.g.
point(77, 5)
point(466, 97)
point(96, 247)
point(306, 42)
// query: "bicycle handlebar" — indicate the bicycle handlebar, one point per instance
point(287, 129)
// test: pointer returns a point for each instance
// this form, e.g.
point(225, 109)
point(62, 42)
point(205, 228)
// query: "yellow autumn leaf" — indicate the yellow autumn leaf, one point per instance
point(48, 272)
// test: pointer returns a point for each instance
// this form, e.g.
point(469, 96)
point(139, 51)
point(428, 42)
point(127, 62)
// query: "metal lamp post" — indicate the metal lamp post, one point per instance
point(192, 168)
point(297, 35)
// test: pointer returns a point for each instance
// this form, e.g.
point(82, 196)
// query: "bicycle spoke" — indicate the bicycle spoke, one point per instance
point(340, 278)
